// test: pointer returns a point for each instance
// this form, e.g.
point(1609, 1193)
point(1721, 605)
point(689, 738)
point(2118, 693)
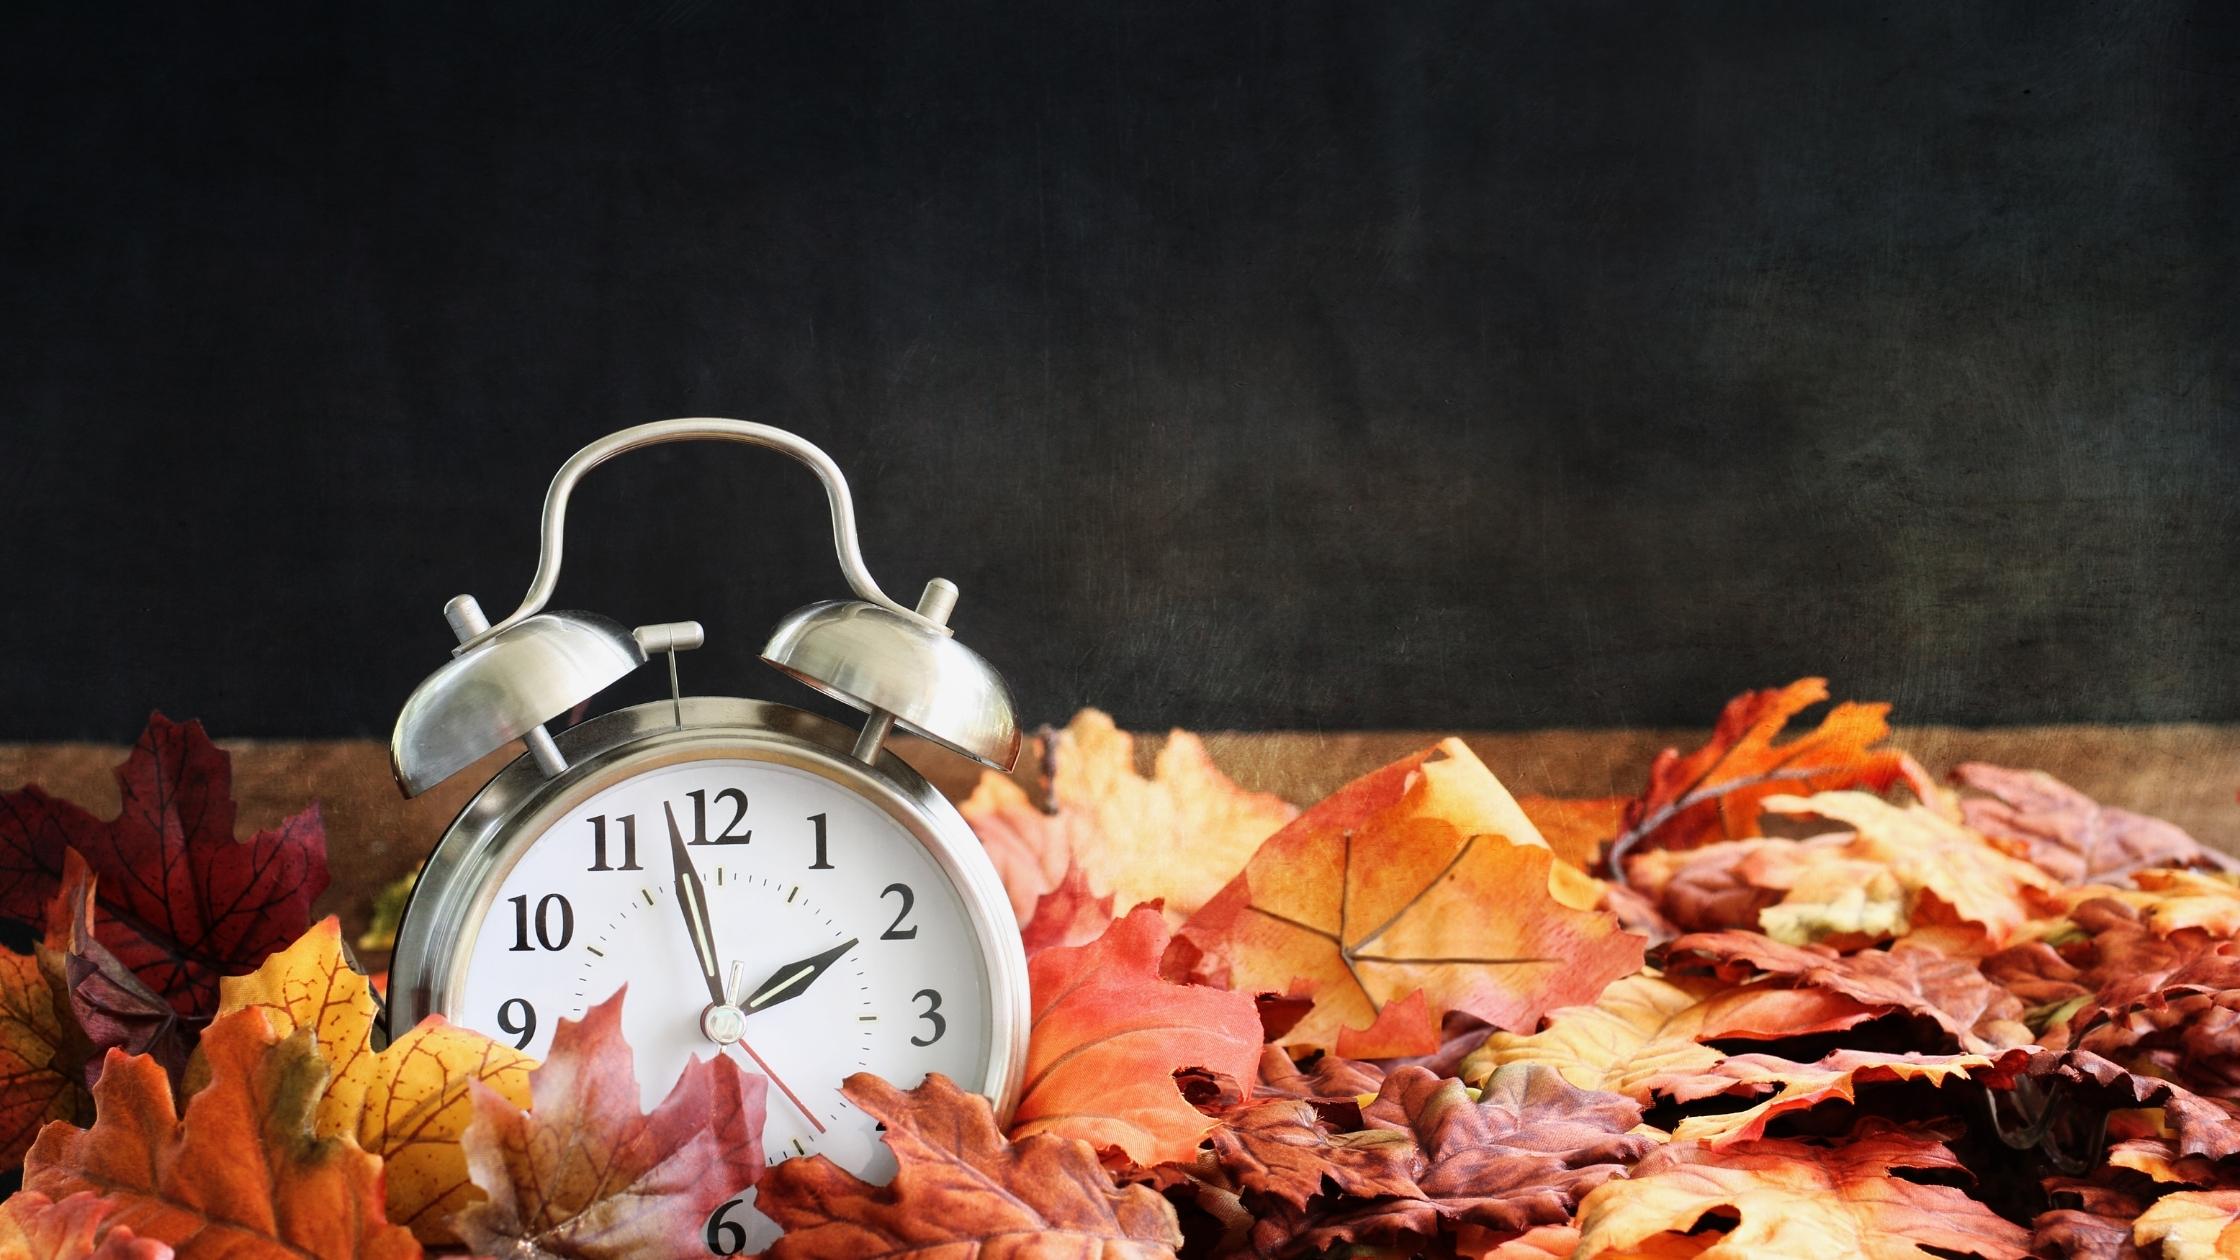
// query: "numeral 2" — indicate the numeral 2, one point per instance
point(895, 931)
point(544, 922)
point(629, 843)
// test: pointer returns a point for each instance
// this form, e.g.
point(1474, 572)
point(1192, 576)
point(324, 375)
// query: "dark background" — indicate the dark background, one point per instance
point(1284, 365)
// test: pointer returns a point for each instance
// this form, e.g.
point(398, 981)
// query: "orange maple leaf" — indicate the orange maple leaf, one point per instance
point(240, 1173)
point(583, 1173)
point(1788, 1199)
point(961, 1190)
point(1109, 1035)
point(42, 1051)
point(1174, 837)
point(1414, 877)
point(407, 1102)
point(1714, 793)
point(34, 1227)
point(1068, 914)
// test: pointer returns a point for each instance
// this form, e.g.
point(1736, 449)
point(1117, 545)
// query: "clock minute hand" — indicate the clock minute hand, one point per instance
point(794, 978)
point(692, 899)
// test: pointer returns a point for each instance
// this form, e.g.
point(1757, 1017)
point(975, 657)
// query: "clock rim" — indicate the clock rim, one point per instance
point(496, 827)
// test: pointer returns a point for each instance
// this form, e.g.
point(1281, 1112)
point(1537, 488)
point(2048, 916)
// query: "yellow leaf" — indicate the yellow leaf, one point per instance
point(1927, 854)
point(1176, 836)
point(2192, 1225)
point(1645, 1026)
point(408, 1103)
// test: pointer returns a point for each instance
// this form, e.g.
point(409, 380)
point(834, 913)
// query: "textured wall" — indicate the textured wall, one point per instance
point(1436, 365)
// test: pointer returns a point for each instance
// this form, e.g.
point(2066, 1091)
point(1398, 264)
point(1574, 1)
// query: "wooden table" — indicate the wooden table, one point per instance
point(2189, 774)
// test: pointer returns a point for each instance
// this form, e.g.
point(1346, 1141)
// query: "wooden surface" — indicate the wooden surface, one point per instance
point(2187, 773)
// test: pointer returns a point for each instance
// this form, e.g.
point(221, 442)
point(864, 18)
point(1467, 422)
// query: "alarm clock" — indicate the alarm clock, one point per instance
point(770, 885)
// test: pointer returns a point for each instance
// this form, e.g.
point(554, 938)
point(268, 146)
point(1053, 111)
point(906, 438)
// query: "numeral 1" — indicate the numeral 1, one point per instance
point(629, 843)
point(821, 864)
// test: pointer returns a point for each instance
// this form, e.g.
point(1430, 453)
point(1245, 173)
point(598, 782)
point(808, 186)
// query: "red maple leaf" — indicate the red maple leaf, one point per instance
point(181, 901)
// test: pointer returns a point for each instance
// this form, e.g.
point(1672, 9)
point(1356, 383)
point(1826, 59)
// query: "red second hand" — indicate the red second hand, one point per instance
point(783, 1088)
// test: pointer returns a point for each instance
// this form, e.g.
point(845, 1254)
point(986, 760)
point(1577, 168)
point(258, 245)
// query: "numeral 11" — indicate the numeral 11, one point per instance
point(629, 843)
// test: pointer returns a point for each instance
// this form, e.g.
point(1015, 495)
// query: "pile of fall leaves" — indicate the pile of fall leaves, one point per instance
point(1795, 999)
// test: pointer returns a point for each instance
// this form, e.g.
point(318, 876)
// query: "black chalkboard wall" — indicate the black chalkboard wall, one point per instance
point(1265, 365)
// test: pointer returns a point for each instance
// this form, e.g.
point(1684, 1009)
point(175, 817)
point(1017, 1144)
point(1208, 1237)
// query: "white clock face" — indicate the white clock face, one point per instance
point(838, 934)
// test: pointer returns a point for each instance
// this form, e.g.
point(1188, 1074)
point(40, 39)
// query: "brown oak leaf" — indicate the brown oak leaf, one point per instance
point(1522, 1155)
point(1979, 1015)
point(182, 902)
point(1799, 1086)
point(1717, 791)
point(1282, 1148)
point(960, 1190)
point(1792, 1199)
point(581, 1172)
point(1109, 1035)
point(2067, 834)
point(239, 1174)
point(2200, 1126)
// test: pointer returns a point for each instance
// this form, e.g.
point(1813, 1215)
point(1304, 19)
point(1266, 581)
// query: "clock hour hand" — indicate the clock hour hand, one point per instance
point(793, 979)
point(692, 899)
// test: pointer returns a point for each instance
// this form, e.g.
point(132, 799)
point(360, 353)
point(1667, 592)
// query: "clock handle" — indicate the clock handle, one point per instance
point(687, 430)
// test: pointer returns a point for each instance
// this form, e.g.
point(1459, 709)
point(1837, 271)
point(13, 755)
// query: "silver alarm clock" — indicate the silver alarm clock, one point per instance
point(771, 885)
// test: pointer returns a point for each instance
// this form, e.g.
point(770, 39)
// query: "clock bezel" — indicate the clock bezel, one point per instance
point(496, 828)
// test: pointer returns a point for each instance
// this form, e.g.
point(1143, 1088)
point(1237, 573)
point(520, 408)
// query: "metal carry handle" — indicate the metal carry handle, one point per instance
point(686, 430)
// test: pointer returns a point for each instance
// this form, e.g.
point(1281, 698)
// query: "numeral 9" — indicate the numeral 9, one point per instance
point(524, 1029)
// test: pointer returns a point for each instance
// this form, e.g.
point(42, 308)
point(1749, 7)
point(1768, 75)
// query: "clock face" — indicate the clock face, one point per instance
point(836, 932)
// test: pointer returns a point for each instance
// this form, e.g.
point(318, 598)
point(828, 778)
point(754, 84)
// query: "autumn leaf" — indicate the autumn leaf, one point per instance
point(1917, 978)
point(1323, 1079)
point(1927, 854)
point(1069, 914)
point(1788, 1199)
point(960, 1190)
point(181, 901)
point(1282, 1148)
point(2199, 1126)
point(1108, 1036)
point(1717, 791)
point(1521, 1155)
point(581, 1172)
point(1576, 827)
point(239, 1174)
point(2173, 901)
point(1174, 837)
point(1403, 1029)
point(34, 1227)
point(1401, 881)
point(41, 1054)
point(2067, 834)
point(407, 1103)
point(109, 1003)
point(2192, 1225)
point(1648, 1027)
point(1800, 1086)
